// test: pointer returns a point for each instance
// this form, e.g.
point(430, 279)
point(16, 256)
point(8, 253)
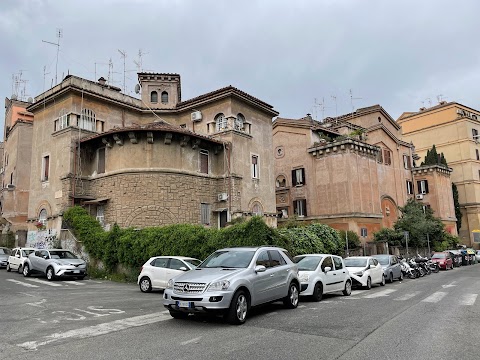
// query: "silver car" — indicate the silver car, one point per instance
point(4, 254)
point(232, 280)
point(55, 263)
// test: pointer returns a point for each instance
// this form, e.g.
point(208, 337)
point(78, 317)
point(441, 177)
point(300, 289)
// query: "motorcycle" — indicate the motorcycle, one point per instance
point(407, 270)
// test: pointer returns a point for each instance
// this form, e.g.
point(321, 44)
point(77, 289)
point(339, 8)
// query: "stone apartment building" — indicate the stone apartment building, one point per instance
point(152, 161)
point(352, 172)
point(16, 158)
point(453, 128)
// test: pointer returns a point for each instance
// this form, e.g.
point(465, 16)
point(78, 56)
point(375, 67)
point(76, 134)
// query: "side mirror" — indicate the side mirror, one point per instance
point(372, 266)
point(17, 255)
point(183, 268)
point(260, 268)
point(327, 269)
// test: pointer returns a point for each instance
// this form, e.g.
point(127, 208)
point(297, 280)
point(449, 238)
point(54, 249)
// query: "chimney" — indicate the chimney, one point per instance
point(102, 81)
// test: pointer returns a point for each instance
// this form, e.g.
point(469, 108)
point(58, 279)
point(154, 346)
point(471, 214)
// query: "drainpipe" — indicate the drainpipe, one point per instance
point(74, 173)
point(229, 181)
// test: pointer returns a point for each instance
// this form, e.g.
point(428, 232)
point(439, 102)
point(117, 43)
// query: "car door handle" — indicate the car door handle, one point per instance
point(272, 275)
point(344, 272)
point(334, 274)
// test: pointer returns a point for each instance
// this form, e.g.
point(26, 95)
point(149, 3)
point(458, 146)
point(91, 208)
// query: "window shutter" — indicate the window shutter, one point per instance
point(101, 161)
point(409, 162)
point(419, 187)
point(294, 178)
point(304, 205)
point(303, 176)
point(426, 186)
point(295, 207)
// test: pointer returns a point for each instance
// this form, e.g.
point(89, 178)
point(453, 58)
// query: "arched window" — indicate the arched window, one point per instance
point(42, 217)
point(87, 120)
point(220, 122)
point(239, 122)
point(281, 181)
point(164, 97)
point(257, 209)
point(153, 97)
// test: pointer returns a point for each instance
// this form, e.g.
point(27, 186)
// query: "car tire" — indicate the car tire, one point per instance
point(369, 283)
point(178, 314)
point(383, 281)
point(145, 284)
point(401, 276)
point(20, 269)
point(26, 270)
point(291, 300)
point(80, 277)
point(390, 278)
point(8, 267)
point(317, 292)
point(238, 310)
point(348, 288)
point(50, 274)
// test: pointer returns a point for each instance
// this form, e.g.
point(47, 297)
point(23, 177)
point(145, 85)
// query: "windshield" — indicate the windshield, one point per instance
point(62, 255)
point(307, 263)
point(438, 256)
point(25, 253)
point(228, 259)
point(383, 260)
point(193, 262)
point(355, 262)
point(4, 251)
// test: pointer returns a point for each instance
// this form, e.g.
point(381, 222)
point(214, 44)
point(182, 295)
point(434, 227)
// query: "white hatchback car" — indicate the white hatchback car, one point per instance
point(321, 274)
point(365, 271)
point(17, 258)
point(159, 269)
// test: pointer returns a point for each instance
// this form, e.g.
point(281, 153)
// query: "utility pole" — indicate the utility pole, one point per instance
point(428, 244)
point(57, 44)
point(346, 241)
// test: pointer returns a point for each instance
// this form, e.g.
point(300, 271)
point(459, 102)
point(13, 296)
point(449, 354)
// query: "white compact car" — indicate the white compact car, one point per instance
point(365, 271)
point(322, 274)
point(159, 269)
point(17, 258)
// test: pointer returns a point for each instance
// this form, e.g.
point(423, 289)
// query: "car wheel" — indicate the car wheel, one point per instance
point(20, 269)
point(8, 267)
point(348, 288)
point(291, 300)
point(390, 279)
point(145, 284)
point(178, 314)
point(237, 312)
point(50, 274)
point(369, 283)
point(317, 291)
point(26, 270)
point(401, 276)
point(383, 281)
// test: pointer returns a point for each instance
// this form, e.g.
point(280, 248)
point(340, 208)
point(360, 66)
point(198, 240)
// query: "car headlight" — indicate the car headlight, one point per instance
point(304, 277)
point(219, 285)
point(57, 263)
point(170, 284)
point(359, 273)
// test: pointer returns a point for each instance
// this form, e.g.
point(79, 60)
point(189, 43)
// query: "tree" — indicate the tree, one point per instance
point(353, 239)
point(456, 204)
point(391, 236)
point(433, 158)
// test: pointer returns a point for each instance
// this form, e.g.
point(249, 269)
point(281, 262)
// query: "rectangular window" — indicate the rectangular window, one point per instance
point(363, 232)
point(298, 177)
point(205, 214)
point(380, 157)
point(406, 162)
point(45, 168)
point(478, 154)
point(387, 156)
point(204, 161)
point(422, 186)
point(425, 207)
point(101, 161)
point(255, 166)
point(475, 134)
point(101, 214)
point(300, 207)
point(409, 187)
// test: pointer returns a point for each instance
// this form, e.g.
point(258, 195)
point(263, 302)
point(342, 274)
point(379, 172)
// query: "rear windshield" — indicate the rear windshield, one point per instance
point(228, 259)
point(439, 256)
point(307, 263)
point(4, 251)
point(355, 262)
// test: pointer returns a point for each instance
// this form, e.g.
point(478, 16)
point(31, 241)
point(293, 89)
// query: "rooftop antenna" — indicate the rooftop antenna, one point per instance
point(429, 102)
point(139, 63)
point(110, 71)
point(57, 44)
point(19, 85)
point(124, 56)
point(98, 63)
point(440, 98)
point(351, 100)
point(334, 98)
point(322, 108)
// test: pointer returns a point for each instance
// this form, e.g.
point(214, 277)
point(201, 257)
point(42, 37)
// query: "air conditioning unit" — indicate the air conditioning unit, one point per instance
point(419, 196)
point(10, 187)
point(222, 196)
point(196, 116)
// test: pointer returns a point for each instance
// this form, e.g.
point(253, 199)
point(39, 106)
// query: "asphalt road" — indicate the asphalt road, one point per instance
point(92, 319)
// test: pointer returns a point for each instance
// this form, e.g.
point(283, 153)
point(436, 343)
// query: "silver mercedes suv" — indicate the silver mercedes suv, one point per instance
point(232, 280)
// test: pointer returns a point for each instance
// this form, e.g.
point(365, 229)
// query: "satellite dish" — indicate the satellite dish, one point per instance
point(137, 88)
point(30, 100)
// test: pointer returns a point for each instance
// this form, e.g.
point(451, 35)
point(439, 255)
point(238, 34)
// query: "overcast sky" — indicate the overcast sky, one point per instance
point(399, 54)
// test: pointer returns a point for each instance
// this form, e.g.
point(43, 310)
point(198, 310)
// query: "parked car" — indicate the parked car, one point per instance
point(4, 254)
point(232, 280)
point(472, 259)
point(17, 258)
point(391, 267)
point(54, 263)
point(456, 257)
point(443, 259)
point(365, 271)
point(322, 274)
point(477, 255)
point(159, 269)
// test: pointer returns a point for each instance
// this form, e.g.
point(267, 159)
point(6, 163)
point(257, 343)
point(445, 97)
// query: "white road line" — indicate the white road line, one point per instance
point(44, 282)
point(382, 293)
point(97, 330)
point(301, 306)
point(73, 282)
point(190, 341)
point(468, 299)
point(38, 303)
point(22, 283)
point(408, 296)
point(435, 297)
point(357, 292)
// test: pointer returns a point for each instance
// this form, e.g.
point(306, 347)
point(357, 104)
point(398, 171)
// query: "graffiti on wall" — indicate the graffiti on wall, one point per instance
point(42, 239)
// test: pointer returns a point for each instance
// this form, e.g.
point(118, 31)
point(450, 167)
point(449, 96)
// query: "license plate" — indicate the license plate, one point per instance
point(76, 271)
point(184, 304)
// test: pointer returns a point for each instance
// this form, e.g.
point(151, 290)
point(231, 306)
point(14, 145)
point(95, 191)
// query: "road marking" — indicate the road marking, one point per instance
point(468, 299)
point(22, 283)
point(301, 306)
point(408, 296)
point(357, 292)
point(97, 330)
point(38, 303)
point(191, 341)
point(73, 282)
point(43, 282)
point(449, 285)
point(382, 293)
point(435, 297)
point(272, 313)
